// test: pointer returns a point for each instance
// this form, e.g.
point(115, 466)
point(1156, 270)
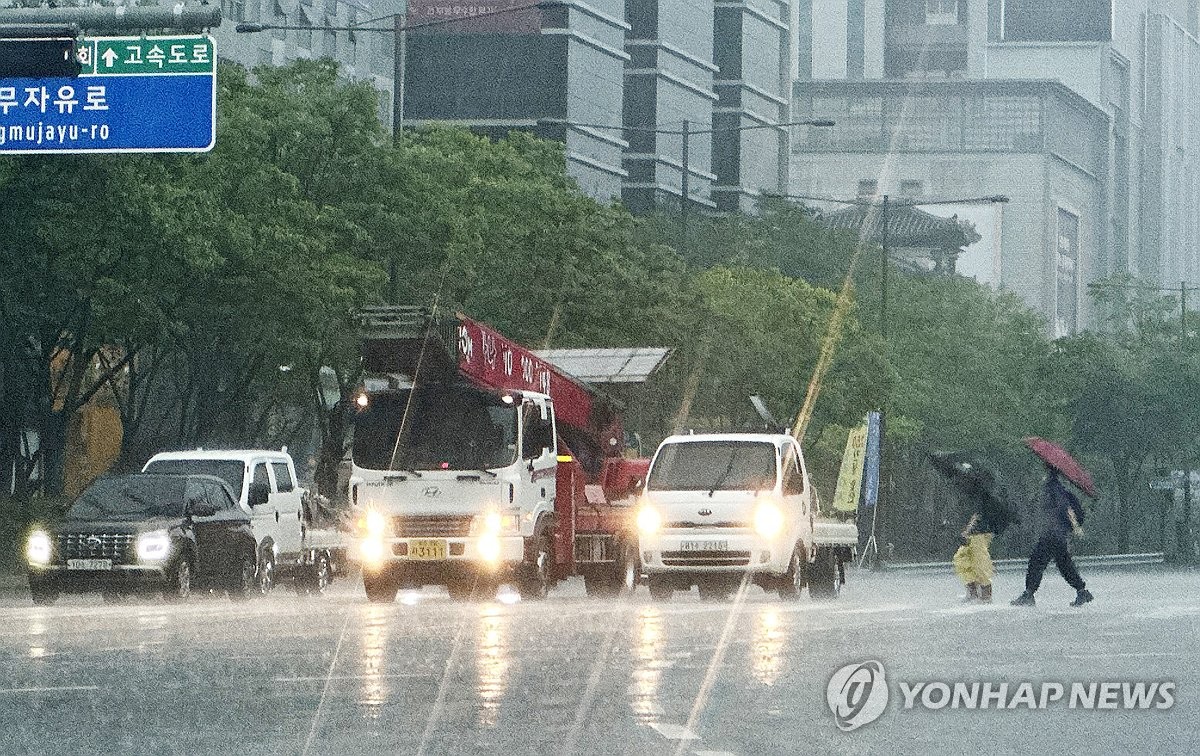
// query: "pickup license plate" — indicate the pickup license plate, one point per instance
point(89, 564)
point(427, 549)
point(704, 546)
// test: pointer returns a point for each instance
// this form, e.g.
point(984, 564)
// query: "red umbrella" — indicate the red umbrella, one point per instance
point(1060, 459)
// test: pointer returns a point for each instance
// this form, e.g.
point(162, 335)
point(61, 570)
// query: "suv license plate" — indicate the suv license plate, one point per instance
point(427, 549)
point(704, 546)
point(89, 564)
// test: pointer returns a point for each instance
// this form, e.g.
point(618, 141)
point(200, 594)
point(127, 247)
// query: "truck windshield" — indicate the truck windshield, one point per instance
point(714, 466)
point(130, 497)
point(448, 428)
point(229, 470)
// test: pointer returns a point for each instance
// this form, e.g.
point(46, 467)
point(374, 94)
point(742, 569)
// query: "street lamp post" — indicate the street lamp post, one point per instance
point(885, 205)
point(686, 132)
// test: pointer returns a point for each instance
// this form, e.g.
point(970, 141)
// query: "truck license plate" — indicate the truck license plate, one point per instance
point(704, 546)
point(89, 564)
point(427, 549)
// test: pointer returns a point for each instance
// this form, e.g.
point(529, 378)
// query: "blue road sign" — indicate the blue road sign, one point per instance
point(143, 94)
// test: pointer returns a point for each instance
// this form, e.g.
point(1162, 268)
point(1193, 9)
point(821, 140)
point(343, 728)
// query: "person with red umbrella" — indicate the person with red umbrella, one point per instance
point(1062, 515)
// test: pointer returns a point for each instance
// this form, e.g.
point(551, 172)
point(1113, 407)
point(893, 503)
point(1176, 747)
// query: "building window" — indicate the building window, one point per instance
point(1066, 310)
point(912, 188)
point(329, 47)
point(941, 12)
point(868, 188)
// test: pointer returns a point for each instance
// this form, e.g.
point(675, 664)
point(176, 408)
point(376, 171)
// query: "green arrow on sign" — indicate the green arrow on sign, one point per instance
point(154, 55)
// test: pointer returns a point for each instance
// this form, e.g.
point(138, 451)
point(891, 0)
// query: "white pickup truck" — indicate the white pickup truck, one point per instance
point(717, 508)
point(295, 542)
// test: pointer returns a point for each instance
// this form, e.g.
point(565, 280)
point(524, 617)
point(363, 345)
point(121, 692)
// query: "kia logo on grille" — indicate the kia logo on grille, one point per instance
point(94, 541)
point(432, 491)
point(705, 512)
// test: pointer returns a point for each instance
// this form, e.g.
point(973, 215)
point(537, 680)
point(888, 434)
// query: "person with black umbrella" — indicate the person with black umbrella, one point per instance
point(989, 516)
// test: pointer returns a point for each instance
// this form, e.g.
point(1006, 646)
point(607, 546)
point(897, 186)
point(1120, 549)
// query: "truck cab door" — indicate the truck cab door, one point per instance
point(286, 499)
point(797, 494)
point(539, 446)
point(266, 520)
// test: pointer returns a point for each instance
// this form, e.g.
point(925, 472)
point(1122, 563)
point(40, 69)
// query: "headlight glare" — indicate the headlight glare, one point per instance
point(154, 546)
point(375, 524)
point(37, 548)
point(648, 519)
point(768, 519)
point(494, 523)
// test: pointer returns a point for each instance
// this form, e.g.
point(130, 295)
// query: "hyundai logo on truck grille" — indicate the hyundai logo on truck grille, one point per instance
point(432, 491)
point(704, 512)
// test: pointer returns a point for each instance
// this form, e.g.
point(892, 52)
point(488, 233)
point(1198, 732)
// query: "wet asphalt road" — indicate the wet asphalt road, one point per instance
point(327, 675)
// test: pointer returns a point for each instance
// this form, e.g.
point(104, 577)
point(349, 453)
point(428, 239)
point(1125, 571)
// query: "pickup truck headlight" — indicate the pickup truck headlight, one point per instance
point(154, 546)
point(38, 548)
point(648, 519)
point(768, 519)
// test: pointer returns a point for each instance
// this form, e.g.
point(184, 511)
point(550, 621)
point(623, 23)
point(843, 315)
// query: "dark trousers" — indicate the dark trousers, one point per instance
point(1051, 546)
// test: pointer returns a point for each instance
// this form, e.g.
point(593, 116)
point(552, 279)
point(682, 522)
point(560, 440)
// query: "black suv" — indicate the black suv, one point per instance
point(145, 532)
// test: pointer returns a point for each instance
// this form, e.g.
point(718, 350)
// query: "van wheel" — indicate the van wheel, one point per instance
point(824, 582)
point(266, 574)
point(322, 576)
point(792, 581)
point(661, 589)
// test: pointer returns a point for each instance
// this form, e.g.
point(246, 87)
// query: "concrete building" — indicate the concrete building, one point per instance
point(531, 70)
point(362, 55)
point(1082, 111)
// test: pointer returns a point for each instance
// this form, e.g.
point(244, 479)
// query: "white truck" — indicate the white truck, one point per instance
point(297, 538)
point(720, 507)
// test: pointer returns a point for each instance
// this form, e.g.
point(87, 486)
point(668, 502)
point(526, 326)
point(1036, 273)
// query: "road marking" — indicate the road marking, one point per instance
point(323, 678)
point(673, 731)
point(1131, 655)
point(713, 753)
point(876, 609)
point(51, 689)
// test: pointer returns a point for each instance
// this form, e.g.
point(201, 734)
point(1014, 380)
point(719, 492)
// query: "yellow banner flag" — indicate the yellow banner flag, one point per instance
point(849, 484)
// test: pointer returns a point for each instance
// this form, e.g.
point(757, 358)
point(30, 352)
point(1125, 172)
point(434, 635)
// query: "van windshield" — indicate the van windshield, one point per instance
point(714, 466)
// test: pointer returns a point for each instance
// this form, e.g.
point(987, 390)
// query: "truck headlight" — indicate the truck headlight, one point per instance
point(375, 524)
point(648, 520)
point(154, 546)
point(768, 519)
point(495, 524)
point(37, 548)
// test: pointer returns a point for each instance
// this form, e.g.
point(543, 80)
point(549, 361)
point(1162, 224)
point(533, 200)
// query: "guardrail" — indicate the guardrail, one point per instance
point(1015, 565)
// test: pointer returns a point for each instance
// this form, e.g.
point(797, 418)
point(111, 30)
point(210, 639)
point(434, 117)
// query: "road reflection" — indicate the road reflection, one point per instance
point(374, 643)
point(492, 662)
point(767, 646)
point(648, 664)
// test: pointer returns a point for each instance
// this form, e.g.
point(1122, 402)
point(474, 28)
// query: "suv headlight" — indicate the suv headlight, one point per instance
point(768, 519)
point(38, 548)
point(648, 519)
point(154, 546)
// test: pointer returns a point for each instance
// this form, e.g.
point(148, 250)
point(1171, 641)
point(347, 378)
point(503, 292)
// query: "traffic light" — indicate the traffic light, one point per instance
point(38, 53)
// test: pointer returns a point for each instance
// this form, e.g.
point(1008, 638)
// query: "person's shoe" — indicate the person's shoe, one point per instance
point(985, 594)
point(972, 593)
point(1025, 599)
point(1082, 597)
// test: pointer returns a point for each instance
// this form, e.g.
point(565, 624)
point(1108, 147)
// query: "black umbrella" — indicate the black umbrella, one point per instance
point(978, 482)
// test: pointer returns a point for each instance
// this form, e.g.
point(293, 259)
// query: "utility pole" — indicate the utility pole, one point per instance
point(684, 187)
point(1186, 549)
point(883, 268)
point(399, 57)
